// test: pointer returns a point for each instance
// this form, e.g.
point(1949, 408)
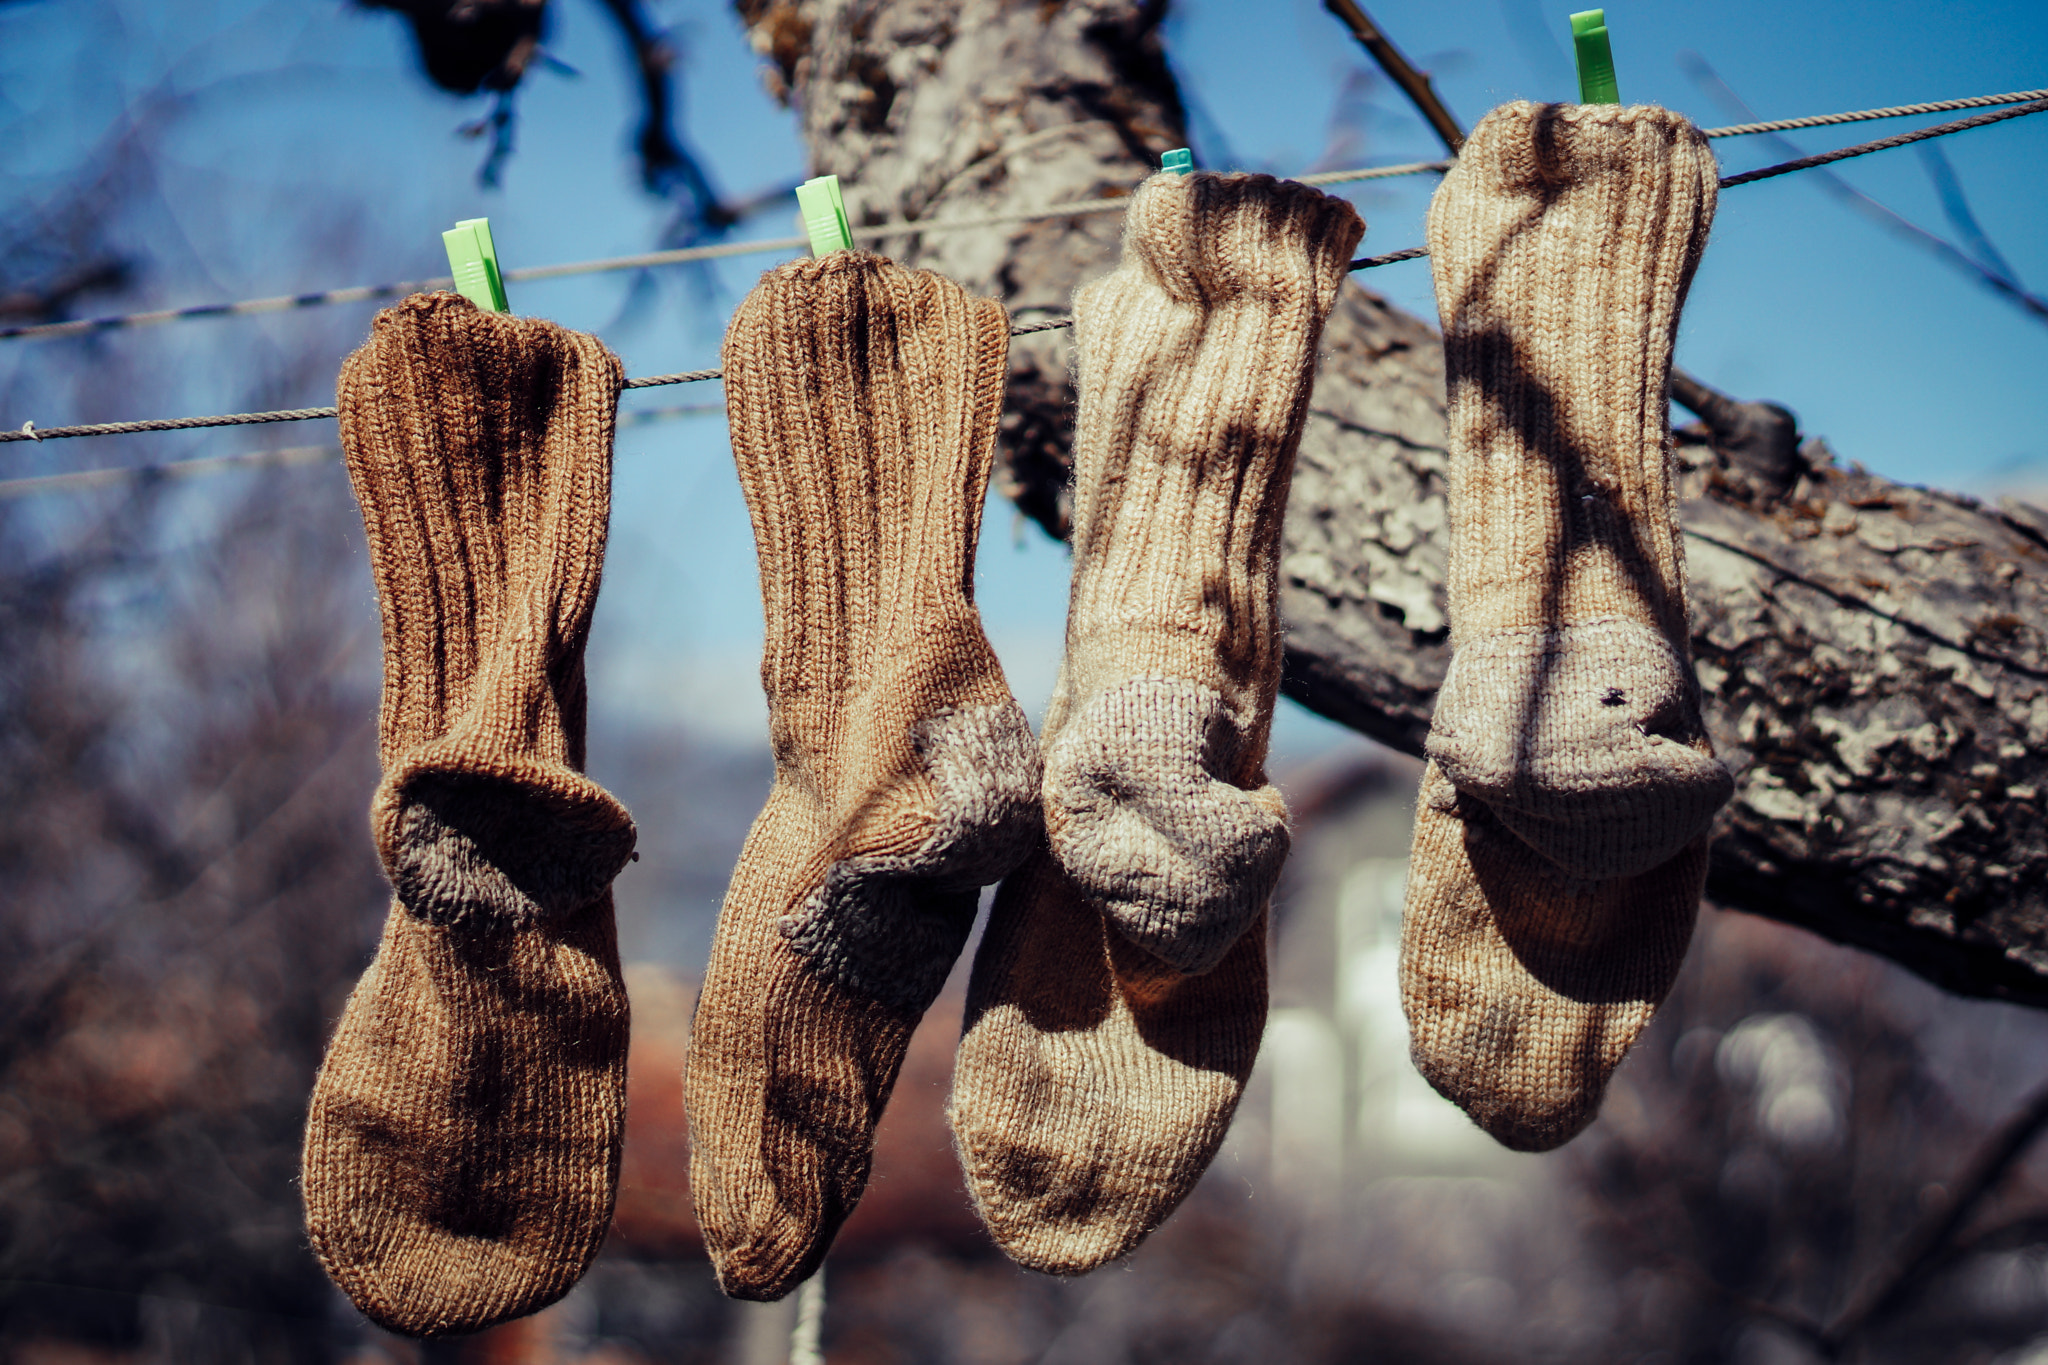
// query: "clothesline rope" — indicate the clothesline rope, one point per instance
point(28, 432)
point(1786, 125)
point(372, 293)
point(275, 458)
point(80, 480)
point(1884, 144)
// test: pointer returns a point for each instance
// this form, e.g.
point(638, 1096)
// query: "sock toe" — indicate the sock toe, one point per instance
point(1081, 1129)
point(783, 1099)
point(1524, 989)
point(463, 1141)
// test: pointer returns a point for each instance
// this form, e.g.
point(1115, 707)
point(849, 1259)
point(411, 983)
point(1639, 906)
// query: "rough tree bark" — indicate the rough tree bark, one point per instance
point(1875, 656)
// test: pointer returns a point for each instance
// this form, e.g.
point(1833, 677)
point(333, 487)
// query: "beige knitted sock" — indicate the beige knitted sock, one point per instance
point(863, 398)
point(1119, 996)
point(462, 1149)
point(1561, 834)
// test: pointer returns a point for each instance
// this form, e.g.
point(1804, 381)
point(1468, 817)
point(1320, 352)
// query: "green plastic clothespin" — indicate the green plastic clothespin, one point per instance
point(1596, 58)
point(824, 212)
point(1179, 159)
point(474, 260)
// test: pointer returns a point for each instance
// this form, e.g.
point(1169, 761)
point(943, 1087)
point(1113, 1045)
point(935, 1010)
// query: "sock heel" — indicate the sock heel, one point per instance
point(1144, 820)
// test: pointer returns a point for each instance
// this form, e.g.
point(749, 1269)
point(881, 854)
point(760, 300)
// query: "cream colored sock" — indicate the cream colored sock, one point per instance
point(1119, 995)
point(1561, 834)
point(863, 398)
point(462, 1147)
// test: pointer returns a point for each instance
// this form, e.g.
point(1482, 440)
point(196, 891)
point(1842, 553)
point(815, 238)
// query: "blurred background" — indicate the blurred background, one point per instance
point(189, 670)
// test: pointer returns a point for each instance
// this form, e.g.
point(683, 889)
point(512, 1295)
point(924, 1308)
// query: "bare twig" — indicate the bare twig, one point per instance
point(1762, 437)
point(1722, 93)
point(1955, 206)
point(1926, 1248)
point(666, 165)
point(1413, 83)
point(2026, 1230)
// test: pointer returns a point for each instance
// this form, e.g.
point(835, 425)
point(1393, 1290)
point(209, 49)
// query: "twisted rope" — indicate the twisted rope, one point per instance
point(29, 433)
point(655, 381)
point(28, 430)
point(1375, 173)
point(1785, 125)
point(680, 255)
point(807, 1338)
point(82, 479)
point(1413, 253)
point(1883, 144)
point(282, 457)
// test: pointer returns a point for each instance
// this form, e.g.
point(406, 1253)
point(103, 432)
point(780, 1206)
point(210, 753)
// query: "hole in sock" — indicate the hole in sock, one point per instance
point(1602, 780)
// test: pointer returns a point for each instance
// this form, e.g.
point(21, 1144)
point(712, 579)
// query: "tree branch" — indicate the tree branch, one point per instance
point(1873, 655)
point(1414, 83)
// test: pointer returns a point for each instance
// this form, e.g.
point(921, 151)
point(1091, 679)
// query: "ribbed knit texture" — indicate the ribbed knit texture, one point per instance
point(1120, 992)
point(863, 398)
point(1561, 835)
point(462, 1149)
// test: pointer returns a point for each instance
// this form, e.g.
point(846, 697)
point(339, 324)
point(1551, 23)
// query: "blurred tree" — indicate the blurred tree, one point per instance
point(183, 765)
point(1785, 1157)
point(187, 698)
point(470, 47)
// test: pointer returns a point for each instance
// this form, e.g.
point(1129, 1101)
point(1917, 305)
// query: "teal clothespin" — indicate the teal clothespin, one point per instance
point(1596, 58)
point(1179, 159)
point(474, 260)
point(824, 211)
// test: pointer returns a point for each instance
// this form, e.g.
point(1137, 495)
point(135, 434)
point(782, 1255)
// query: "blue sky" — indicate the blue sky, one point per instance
point(306, 153)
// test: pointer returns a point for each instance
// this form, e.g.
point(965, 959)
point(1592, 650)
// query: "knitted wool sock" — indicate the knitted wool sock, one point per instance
point(1120, 993)
point(462, 1149)
point(1561, 834)
point(863, 398)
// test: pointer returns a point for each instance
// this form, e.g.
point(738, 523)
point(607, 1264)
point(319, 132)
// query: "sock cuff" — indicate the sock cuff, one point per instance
point(1196, 358)
point(1207, 239)
point(1563, 244)
point(479, 448)
point(863, 398)
point(857, 307)
point(1529, 147)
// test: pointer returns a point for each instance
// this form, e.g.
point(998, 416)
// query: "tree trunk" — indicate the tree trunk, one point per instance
point(1875, 657)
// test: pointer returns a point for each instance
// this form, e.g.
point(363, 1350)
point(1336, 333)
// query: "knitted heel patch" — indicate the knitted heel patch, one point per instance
point(1585, 741)
point(1146, 822)
point(490, 850)
point(890, 926)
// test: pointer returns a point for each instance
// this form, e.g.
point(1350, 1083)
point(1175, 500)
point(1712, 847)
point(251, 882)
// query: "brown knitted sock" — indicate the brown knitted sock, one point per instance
point(462, 1150)
point(1119, 996)
point(1561, 834)
point(863, 399)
